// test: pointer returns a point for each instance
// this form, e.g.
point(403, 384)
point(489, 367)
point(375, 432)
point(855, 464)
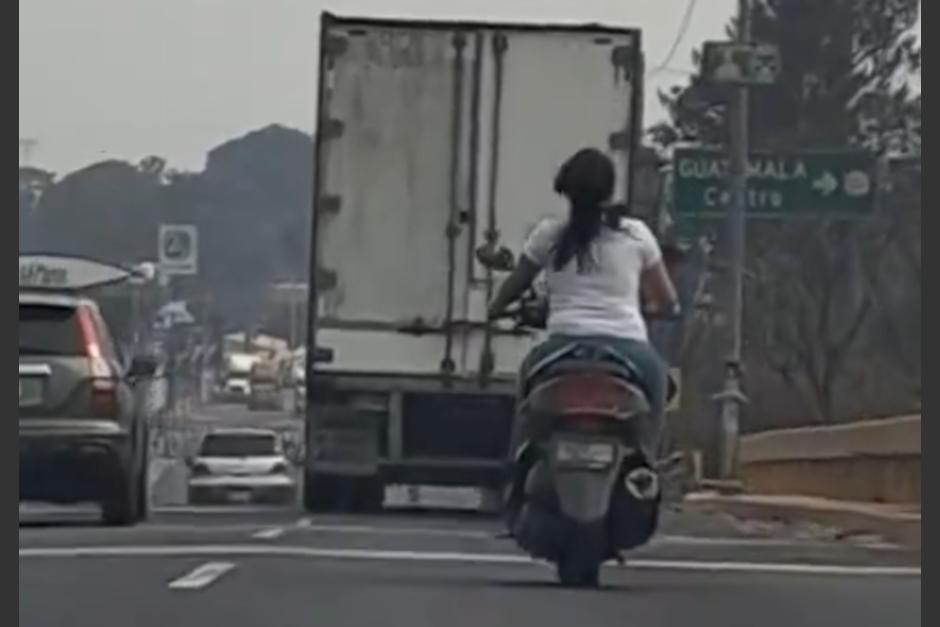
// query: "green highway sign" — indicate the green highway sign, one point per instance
point(780, 185)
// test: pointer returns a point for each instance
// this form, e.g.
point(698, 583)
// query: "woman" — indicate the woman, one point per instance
point(596, 270)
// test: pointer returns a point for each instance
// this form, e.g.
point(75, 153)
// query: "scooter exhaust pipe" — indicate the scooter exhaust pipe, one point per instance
point(642, 484)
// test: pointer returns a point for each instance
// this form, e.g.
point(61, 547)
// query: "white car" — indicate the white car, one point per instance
point(241, 465)
point(235, 388)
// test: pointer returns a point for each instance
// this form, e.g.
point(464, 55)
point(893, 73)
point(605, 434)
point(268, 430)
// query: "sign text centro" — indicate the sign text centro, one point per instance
point(779, 185)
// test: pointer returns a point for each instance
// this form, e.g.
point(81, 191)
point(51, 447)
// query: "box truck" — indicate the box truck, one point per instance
point(434, 139)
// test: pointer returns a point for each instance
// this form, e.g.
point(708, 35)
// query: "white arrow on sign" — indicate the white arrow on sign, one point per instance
point(826, 184)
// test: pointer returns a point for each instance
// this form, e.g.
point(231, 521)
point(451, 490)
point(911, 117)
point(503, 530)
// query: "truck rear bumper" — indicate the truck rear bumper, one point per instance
point(438, 472)
point(410, 429)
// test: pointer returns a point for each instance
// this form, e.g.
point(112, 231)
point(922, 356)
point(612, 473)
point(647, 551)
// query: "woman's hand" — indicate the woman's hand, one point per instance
point(515, 285)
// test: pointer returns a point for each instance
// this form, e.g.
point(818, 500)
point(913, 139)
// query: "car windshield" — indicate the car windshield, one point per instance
point(238, 445)
point(49, 330)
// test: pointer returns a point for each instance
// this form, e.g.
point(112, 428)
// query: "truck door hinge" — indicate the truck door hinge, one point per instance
point(332, 128)
point(500, 43)
point(325, 279)
point(453, 230)
point(330, 204)
point(335, 45)
point(623, 56)
point(619, 141)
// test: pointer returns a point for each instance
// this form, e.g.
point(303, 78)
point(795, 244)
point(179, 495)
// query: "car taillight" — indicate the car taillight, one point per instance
point(279, 469)
point(200, 470)
point(104, 397)
point(103, 384)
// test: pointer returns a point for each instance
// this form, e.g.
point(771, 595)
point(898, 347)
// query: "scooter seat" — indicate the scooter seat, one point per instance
point(579, 358)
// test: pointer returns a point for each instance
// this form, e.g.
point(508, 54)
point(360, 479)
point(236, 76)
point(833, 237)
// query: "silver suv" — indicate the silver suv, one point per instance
point(82, 433)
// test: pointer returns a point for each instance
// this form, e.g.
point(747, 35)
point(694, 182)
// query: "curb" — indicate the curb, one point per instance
point(895, 524)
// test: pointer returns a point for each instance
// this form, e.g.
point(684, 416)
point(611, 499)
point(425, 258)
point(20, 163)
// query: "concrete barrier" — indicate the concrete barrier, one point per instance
point(872, 461)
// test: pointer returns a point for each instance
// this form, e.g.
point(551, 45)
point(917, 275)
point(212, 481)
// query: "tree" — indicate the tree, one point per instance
point(255, 217)
point(251, 204)
point(109, 210)
point(153, 166)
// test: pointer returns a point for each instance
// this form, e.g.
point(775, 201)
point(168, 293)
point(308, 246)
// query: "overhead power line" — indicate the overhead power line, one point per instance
point(680, 36)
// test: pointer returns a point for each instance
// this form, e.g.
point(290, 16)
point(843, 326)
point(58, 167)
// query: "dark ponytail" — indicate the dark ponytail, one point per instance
point(587, 181)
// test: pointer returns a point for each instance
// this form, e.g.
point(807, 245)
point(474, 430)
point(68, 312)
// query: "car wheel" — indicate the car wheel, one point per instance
point(143, 485)
point(576, 572)
point(121, 508)
point(321, 493)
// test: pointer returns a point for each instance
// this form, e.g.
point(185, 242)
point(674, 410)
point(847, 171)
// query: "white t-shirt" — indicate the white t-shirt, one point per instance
point(605, 299)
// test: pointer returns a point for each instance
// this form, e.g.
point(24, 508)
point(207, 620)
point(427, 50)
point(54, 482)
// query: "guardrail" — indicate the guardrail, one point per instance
point(873, 461)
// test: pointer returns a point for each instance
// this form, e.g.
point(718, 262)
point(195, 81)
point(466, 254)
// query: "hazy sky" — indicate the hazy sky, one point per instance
point(129, 78)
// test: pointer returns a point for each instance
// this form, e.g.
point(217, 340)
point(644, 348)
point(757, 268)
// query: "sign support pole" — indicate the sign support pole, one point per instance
point(732, 397)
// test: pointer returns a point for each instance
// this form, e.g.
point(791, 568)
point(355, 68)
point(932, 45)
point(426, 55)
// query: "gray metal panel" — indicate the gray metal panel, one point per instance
point(391, 88)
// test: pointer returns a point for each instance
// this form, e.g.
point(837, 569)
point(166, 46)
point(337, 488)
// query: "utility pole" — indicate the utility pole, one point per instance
point(732, 396)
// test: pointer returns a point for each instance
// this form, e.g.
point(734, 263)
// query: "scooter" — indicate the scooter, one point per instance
point(581, 489)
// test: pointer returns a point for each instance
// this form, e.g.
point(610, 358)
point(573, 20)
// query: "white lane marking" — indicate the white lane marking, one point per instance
point(307, 525)
point(675, 540)
point(221, 509)
point(201, 577)
point(33, 509)
point(269, 534)
point(465, 558)
point(680, 540)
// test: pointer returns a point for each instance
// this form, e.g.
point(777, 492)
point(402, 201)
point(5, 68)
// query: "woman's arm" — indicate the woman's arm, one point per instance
point(658, 290)
point(514, 286)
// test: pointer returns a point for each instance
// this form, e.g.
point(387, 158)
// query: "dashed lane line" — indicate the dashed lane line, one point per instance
point(271, 533)
point(202, 576)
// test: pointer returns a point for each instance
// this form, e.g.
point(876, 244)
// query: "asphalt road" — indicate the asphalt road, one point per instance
point(247, 567)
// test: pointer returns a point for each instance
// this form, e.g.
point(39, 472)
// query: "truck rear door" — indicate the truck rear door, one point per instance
point(433, 138)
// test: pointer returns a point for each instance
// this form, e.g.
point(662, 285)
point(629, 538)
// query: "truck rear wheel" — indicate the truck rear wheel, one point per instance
point(339, 494)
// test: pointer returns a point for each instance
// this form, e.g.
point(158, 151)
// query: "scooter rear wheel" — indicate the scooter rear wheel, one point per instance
point(575, 572)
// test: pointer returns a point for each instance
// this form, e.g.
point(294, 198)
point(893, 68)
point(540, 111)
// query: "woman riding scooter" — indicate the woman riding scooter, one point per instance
point(599, 269)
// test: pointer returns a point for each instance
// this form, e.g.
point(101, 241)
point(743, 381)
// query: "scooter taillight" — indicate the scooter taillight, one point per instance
point(591, 394)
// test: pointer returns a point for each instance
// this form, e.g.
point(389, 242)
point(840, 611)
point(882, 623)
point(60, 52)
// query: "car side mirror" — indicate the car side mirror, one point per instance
point(497, 259)
point(142, 367)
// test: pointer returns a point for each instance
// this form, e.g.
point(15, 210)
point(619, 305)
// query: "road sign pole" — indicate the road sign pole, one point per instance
point(732, 397)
